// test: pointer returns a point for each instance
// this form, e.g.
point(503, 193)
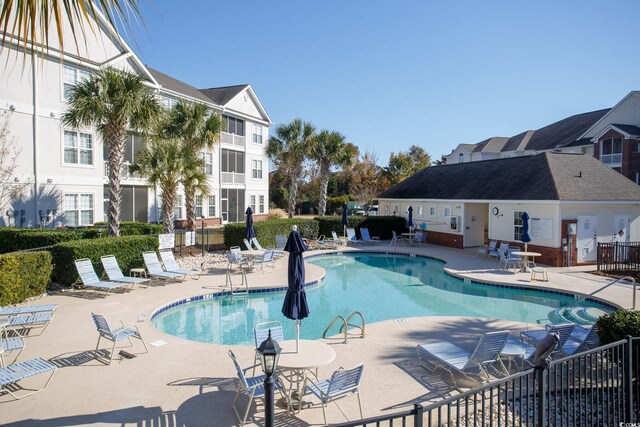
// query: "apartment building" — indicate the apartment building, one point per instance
point(64, 169)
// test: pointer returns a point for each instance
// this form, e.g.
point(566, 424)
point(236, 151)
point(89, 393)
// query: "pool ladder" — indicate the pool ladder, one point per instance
point(345, 325)
point(243, 283)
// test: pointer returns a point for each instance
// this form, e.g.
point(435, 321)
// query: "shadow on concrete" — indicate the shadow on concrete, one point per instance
point(80, 359)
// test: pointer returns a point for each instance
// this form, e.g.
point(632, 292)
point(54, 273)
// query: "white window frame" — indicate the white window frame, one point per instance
point(446, 211)
point(461, 158)
point(211, 204)
point(252, 202)
point(257, 133)
point(198, 205)
point(70, 77)
point(78, 208)
point(433, 211)
point(79, 137)
point(517, 225)
point(636, 177)
point(261, 204)
point(208, 163)
point(256, 169)
point(177, 208)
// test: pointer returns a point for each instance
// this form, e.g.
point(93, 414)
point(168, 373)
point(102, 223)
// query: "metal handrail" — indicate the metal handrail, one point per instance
point(626, 278)
point(344, 324)
point(229, 282)
point(347, 324)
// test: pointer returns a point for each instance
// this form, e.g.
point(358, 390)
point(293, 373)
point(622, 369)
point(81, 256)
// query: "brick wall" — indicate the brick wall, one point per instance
point(445, 239)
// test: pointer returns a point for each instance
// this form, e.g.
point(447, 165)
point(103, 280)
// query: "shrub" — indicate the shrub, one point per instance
point(23, 275)
point(267, 230)
point(618, 325)
point(16, 239)
point(132, 228)
point(127, 249)
point(379, 226)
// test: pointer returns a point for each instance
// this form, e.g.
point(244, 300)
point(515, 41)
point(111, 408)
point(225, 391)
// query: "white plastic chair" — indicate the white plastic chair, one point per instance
point(105, 331)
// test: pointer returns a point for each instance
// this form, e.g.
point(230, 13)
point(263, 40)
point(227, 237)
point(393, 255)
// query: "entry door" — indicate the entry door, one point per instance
point(586, 238)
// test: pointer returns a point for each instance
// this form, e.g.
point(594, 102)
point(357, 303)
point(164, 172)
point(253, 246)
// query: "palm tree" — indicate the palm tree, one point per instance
point(161, 162)
point(29, 20)
point(194, 179)
point(192, 124)
point(288, 150)
point(113, 101)
point(329, 150)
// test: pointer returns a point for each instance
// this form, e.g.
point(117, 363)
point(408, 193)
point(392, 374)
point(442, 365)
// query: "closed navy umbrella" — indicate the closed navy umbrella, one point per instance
point(344, 219)
point(295, 301)
point(525, 230)
point(250, 231)
point(410, 220)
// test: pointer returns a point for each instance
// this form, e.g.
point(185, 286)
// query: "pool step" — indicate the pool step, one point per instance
point(578, 315)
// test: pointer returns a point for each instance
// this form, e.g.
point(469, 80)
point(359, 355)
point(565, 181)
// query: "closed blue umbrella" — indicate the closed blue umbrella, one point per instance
point(410, 220)
point(525, 238)
point(250, 231)
point(344, 219)
point(295, 301)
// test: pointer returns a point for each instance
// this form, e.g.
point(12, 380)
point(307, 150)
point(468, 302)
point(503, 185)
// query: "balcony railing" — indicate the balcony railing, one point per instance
point(232, 178)
point(611, 159)
point(232, 139)
point(124, 172)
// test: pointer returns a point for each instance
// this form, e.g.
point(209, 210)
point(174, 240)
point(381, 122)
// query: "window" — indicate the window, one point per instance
point(419, 211)
point(198, 206)
point(447, 212)
point(257, 134)
point(168, 102)
point(611, 151)
point(252, 203)
point(71, 76)
point(262, 210)
point(517, 225)
point(636, 148)
point(177, 208)
point(256, 169)
point(461, 158)
point(232, 161)
point(208, 163)
point(636, 177)
point(432, 211)
point(233, 125)
point(78, 209)
point(212, 206)
point(78, 148)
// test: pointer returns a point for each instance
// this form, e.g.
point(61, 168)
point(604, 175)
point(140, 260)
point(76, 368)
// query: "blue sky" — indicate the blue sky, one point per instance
point(392, 74)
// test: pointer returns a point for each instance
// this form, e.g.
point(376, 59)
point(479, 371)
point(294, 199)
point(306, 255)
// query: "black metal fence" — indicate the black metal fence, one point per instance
point(619, 257)
point(598, 387)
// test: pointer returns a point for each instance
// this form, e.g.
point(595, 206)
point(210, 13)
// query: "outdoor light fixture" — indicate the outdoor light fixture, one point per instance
point(269, 352)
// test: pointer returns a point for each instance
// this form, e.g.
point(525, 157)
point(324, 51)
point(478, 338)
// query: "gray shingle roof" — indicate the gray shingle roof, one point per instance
point(630, 129)
point(178, 86)
point(545, 176)
point(564, 132)
point(515, 141)
point(493, 145)
point(222, 95)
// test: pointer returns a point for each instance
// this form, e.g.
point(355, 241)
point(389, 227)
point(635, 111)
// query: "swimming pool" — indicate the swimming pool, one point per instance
point(380, 286)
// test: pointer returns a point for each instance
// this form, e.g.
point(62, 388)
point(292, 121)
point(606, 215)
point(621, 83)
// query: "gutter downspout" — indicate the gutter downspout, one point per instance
point(35, 138)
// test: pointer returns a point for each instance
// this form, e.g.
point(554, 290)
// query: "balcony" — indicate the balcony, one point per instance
point(232, 178)
point(232, 139)
point(124, 172)
point(612, 160)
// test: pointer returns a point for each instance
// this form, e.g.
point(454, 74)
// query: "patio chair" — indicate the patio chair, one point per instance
point(90, 279)
point(27, 309)
point(582, 338)
point(105, 331)
point(171, 265)
point(351, 236)
point(454, 359)
point(420, 238)
point(327, 244)
point(114, 273)
point(257, 244)
point(267, 259)
point(247, 244)
point(261, 332)
point(396, 238)
point(155, 269)
point(564, 331)
point(236, 258)
point(26, 323)
point(251, 386)
point(335, 239)
point(504, 248)
point(8, 345)
point(343, 383)
point(492, 249)
point(281, 242)
point(366, 237)
point(508, 261)
point(11, 375)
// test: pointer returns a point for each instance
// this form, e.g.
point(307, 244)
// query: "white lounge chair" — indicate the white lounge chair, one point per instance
point(8, 345)
point(26, 323)
point(90, 279)
point(114, 273)
point(247, 244)
point(335, 239)
point(583, 338)
point(155, 269)
point(27, 309)
point(351, 236)
point(366, 237)
point(11, 375)
point(257, 244)
point(115, 335)
point(171, 265)
point(564, 331)
point(454, 359)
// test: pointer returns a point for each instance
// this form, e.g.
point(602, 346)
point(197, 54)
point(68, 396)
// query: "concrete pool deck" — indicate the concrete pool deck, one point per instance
point(192, 384)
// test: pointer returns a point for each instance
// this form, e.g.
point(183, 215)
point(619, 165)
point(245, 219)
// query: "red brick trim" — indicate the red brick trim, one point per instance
point(445, 239)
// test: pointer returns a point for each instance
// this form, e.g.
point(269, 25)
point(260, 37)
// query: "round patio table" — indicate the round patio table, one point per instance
point(525, 260)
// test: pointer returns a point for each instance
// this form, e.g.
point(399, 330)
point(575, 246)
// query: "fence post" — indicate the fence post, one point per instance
point(542, 395)
point(628, 381)
point(417, 418)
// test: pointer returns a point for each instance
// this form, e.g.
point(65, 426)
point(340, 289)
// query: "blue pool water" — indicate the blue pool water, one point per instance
point(380, 287)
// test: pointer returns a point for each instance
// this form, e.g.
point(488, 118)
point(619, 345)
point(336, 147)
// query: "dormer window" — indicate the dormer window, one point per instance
point(461, 158)
point(611, 152)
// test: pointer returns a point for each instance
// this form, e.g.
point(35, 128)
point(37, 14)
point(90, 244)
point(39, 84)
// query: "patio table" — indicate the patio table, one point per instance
point(410, 236)
point(525, 260)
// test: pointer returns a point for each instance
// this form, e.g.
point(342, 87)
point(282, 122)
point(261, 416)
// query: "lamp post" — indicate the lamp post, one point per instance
point(269, 352)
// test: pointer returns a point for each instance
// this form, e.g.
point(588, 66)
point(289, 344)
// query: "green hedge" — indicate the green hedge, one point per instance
point(618, 325)
point(129, 228)
point(16, 239)
point(127, 249)
point(267, 230)
point(379, 226)
point(23, 275)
